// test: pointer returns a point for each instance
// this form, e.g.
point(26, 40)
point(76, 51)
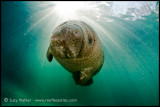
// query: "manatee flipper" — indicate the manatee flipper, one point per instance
point(49, 54)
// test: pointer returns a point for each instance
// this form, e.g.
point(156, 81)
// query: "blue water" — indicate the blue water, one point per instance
point(128, 77)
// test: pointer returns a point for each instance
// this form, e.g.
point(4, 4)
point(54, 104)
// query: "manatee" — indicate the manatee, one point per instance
point(76, 46)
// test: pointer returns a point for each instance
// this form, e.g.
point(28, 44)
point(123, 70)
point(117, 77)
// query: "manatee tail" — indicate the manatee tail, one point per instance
point(83, 77)
point(49, 54)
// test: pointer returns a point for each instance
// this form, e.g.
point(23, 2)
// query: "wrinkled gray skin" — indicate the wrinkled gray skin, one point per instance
point(75, 45)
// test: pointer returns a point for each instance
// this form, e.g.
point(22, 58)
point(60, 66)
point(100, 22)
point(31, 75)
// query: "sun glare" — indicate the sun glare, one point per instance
point(66, 9)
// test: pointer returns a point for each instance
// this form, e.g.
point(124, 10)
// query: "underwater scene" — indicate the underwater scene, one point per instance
point(111, 46)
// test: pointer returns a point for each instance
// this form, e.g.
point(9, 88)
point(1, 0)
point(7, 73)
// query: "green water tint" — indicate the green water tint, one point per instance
point(129, 75)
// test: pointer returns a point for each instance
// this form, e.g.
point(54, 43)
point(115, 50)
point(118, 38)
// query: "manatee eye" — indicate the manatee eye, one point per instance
point(90, 41)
